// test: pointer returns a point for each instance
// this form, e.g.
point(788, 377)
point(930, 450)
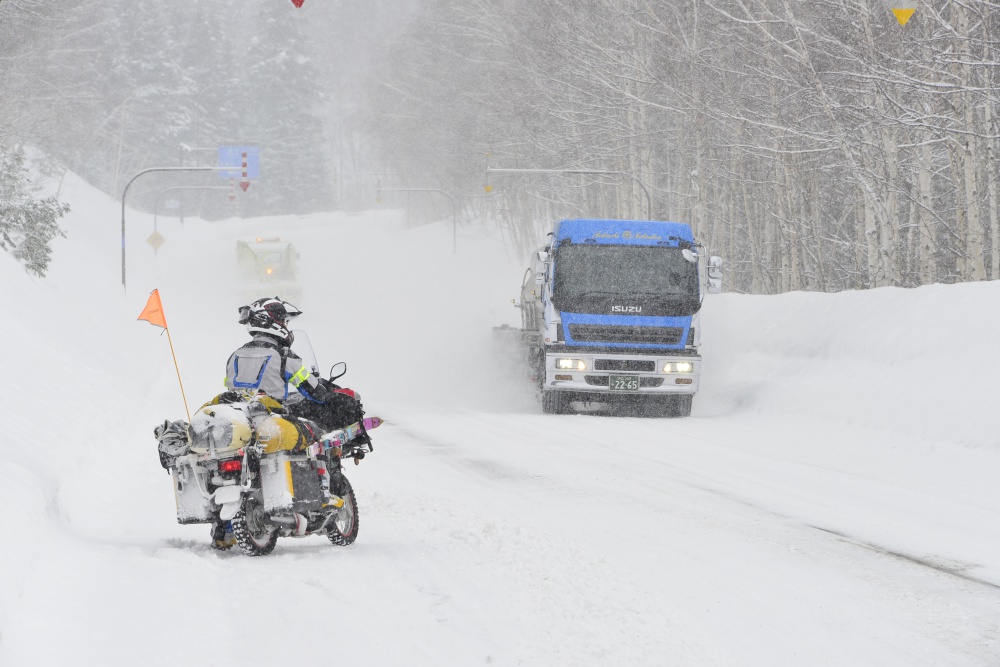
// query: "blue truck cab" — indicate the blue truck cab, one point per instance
point(610, 310)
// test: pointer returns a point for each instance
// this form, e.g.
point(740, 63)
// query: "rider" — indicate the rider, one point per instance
point(267, 365)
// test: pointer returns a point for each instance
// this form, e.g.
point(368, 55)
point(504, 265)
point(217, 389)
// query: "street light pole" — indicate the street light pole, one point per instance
point(649, 201)
point(454, 210)
point(147, 171)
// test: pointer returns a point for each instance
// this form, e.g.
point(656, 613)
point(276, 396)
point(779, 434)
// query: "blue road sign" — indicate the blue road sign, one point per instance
point(236, 157)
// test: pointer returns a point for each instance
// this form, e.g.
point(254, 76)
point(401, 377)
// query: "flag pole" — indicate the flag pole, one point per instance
point(177, 368)
point(153, 313)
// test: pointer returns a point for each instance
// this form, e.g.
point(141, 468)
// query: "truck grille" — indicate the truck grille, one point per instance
point(602, 333)
point(630, 365)
point(602, 381)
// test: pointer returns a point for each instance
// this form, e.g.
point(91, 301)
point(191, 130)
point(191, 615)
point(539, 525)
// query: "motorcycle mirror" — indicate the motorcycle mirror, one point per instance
point(338, 370)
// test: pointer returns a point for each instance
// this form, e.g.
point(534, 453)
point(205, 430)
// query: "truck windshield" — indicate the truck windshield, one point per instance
point(588, 277)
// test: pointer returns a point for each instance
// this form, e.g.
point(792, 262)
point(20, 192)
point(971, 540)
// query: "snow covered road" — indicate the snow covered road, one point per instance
point(673, 545)
point(574, 545)
point(799, 517)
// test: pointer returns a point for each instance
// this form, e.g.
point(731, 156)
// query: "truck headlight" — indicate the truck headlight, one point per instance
point(678, 367)
point(571, 365)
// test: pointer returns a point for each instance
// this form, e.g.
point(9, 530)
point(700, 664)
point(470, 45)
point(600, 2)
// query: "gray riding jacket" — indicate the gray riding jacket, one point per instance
point(266, 366)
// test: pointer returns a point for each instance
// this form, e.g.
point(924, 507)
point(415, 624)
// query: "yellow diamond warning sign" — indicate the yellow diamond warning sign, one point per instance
point(156, 240)
point(903, 14)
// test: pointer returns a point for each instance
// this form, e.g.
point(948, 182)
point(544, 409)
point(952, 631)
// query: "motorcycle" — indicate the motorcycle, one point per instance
point(251, 463)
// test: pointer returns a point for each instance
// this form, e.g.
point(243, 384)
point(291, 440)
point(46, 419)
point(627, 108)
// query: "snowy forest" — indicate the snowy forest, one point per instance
point(817, 145)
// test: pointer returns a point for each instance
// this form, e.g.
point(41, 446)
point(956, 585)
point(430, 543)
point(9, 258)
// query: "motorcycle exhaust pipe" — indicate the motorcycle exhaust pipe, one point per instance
point(296, 522)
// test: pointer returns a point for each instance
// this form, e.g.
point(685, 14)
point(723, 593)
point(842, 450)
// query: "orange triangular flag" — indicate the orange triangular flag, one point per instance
point(153, 312)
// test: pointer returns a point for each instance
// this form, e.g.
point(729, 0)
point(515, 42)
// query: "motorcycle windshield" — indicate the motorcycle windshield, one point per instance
point(302, 347)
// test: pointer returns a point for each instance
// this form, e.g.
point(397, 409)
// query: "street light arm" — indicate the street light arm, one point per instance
point(148, 171)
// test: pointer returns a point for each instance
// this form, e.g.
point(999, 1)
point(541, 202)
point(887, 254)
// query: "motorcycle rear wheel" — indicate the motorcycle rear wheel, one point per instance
point(254, 536)
point(344, 527)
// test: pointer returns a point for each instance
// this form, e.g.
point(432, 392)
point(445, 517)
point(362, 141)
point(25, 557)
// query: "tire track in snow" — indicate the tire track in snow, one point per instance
point(933, 562)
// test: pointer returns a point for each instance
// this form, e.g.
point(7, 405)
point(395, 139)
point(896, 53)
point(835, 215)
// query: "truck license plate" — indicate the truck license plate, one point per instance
point(623, 383)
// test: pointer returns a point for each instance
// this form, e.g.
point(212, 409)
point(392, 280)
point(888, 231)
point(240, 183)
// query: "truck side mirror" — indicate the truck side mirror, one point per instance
point(539, 278)
point(714, 274)
point(543, 256)
point(715, 267)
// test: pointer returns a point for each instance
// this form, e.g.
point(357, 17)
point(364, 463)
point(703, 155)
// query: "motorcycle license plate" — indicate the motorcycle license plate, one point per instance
point(623, 383)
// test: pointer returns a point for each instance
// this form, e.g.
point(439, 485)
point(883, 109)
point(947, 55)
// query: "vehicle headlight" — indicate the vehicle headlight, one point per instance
point(678, 367)
point(571, 365)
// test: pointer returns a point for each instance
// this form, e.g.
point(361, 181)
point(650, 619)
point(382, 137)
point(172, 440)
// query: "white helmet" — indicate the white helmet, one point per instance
point(269, 316)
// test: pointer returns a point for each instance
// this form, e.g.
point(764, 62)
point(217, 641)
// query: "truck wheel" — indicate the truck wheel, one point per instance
point(552, 403)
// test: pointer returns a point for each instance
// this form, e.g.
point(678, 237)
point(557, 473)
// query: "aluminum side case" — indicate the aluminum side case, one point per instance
point(194, 502)
point(290, 483)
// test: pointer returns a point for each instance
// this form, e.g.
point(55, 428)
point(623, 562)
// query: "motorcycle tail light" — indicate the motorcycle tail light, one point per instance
point(231, 466)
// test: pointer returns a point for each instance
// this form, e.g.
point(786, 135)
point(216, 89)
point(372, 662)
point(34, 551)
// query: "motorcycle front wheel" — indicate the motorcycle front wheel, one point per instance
point(253, 534)
point(344, 527)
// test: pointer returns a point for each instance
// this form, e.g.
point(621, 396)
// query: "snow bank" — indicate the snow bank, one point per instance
point(919, 361)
